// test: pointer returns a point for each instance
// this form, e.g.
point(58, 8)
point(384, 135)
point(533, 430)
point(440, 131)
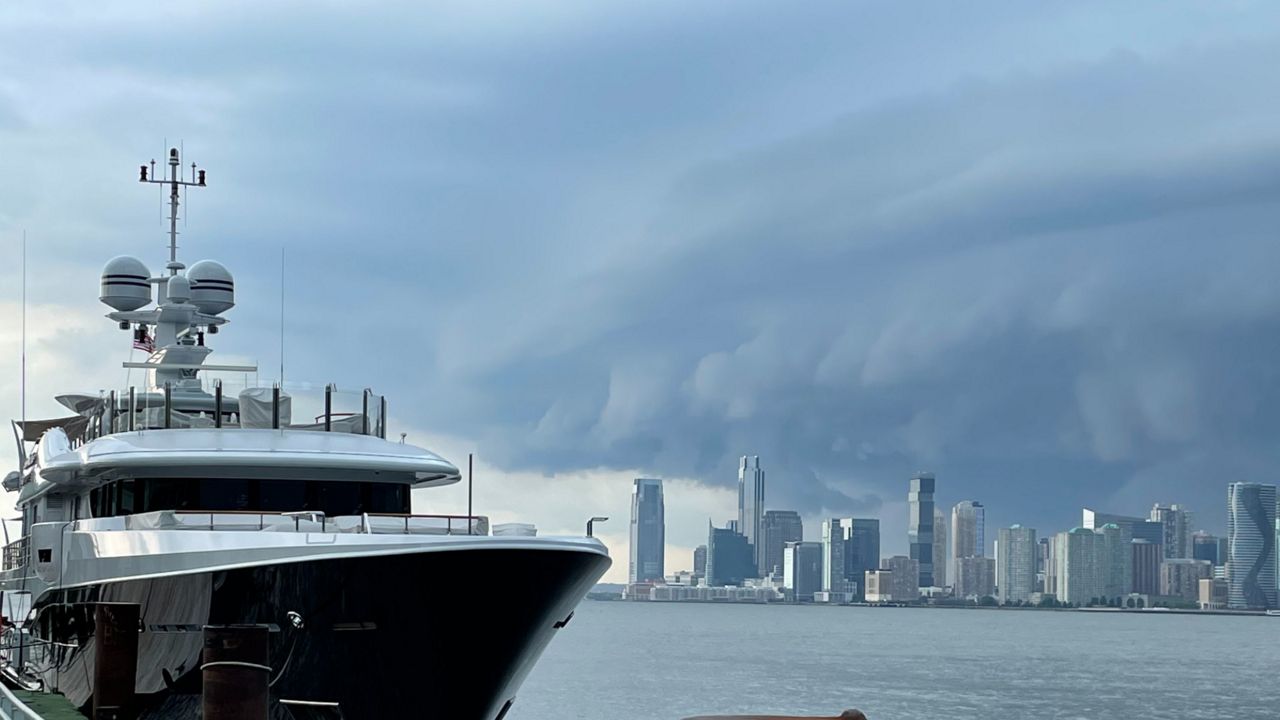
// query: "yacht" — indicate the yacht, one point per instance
point(210, 506)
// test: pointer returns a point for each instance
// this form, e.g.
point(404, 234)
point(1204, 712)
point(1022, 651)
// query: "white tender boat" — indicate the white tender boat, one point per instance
point(207, 507)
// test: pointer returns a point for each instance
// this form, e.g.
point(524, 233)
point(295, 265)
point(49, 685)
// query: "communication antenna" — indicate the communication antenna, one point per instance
point(175, 183)
point(282, 316)
point(24, 333)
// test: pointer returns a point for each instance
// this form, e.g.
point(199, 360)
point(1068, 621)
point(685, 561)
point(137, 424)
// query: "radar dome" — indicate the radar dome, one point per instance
point(178, 289)
point(124, 284)
point(213, 290)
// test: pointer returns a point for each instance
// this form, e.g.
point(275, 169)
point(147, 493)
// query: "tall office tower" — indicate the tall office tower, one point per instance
point(1175, 522)
point(779, 528)
point(751, 505)
point(729, 557)
point(648, 531)
point(802, 570)
point(1135, 527)
point(968, 521)
point(1251, 545)
point(1205, 547)
point(905, 571)
point(939, 547)
point(833, 554)
point(1146, 557)
point(1180, 577)
point(700, 561)
point(861, 547)
point(1016, 554)
point(975, 577)
point(920, 525)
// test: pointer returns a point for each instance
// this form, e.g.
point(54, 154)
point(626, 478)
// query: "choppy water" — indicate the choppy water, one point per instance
point(668, 661)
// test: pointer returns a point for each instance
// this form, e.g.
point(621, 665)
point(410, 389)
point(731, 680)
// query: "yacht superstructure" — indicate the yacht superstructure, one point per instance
point(206, 506)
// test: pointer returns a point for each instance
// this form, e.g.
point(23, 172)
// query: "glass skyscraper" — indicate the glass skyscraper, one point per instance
point(1251, 545)
point(751, 506)
point(648, 531)
point(779, 528)
point(920, 525)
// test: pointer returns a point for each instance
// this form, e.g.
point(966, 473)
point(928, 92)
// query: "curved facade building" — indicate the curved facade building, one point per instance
point(1251, 545)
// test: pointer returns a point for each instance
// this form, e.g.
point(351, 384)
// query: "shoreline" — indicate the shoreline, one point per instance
point(890, 606)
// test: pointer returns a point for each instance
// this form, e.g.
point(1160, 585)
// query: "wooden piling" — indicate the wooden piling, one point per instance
point(236, 672)
point(115, 667)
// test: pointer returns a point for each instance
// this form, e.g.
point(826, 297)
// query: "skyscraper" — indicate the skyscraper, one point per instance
point(833, 555)
point(1205, 547)
point(920, 526)
point(1093, 564)
point(1175, 522)
point(939, 547)
point(1180, 577)
point(700, 561)
point(779, 528)
point(751, 505)
point(861, 547)
point(1135, 527)
point(975, 577)
point(648, 531)
point(1016, 552)
point(1251, 545)
point(802, 569)
point(729, 557)
point(968, 524)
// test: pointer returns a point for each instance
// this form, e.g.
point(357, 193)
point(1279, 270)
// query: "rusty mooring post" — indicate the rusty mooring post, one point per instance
point(236, 672)
point(115, 666)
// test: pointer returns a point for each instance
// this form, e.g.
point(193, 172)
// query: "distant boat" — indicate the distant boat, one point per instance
point(1274, 613)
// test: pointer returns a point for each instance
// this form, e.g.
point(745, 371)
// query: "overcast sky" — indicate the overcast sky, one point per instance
point(1031, 247)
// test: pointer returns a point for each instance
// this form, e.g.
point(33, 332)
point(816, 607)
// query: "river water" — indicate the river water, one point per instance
point(669, 661)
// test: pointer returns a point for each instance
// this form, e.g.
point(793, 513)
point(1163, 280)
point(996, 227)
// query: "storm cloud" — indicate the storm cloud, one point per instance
point(1029, 248)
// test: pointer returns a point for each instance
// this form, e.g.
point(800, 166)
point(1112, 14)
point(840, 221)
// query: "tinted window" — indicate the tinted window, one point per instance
point(282, 495)
point(333, 498)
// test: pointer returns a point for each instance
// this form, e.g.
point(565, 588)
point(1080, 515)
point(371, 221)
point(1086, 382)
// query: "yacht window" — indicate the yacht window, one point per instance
point(336, 498)
point(387, 498)
point(332, 497)
point(126, 500)
point(282, 496)
point(225, 494)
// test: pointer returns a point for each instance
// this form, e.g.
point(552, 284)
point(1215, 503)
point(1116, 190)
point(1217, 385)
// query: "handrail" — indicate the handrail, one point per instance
point(11, 708)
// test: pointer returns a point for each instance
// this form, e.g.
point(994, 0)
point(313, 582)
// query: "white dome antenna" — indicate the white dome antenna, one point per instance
point(125, 284)
point(213, 290)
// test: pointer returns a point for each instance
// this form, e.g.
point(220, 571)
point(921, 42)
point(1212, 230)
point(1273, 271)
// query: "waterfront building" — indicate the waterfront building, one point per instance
point(1213, 594)
point(1180, 577)
point(920, 526)
point(1046, 576)
point(878, 586)
point(975, 577)
point(648, 531)
point(700, 561)
point(906, 573)
point(1175, 523)
point(1092, 564)
point(1146, 558)
point(1251, 545)
point(1205, 547)
point(729, 557)
point(968, 522)
point(802, 570)
point(1116, 559)
point(778, 528)
point(751, 507)
point(1016, 557)
point(861, 547)
point(939, 548)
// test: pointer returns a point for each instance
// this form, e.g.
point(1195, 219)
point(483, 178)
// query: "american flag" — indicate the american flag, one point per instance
point(143, 341)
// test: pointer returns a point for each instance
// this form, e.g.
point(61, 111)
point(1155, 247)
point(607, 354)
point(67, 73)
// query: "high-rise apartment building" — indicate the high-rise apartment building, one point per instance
point(648, 531)
point(802, 570)
point(1175, 522)
point(729, 557)
point(968, 526)
point(1251, 545)
point(779, 528)
point(1092, 564)
point(1180, 577)
point(920, 526)
point(940, 576)
point(975, 577)
point(700, 561)
point(1016, 554)
point(751, 506)
point(905, 571)
point(1145, 564)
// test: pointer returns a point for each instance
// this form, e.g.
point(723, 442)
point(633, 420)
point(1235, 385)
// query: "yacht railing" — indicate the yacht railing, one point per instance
point(360, 413)
point(15, 553)
point(302, 521)
point(11, 708)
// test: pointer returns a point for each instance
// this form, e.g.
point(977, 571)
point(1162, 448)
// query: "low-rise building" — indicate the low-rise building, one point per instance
point(878, 585)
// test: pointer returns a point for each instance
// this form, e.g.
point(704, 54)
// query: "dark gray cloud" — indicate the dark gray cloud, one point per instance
point(1028, 248)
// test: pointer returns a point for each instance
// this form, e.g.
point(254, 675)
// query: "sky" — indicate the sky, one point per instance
point(1029, 247)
